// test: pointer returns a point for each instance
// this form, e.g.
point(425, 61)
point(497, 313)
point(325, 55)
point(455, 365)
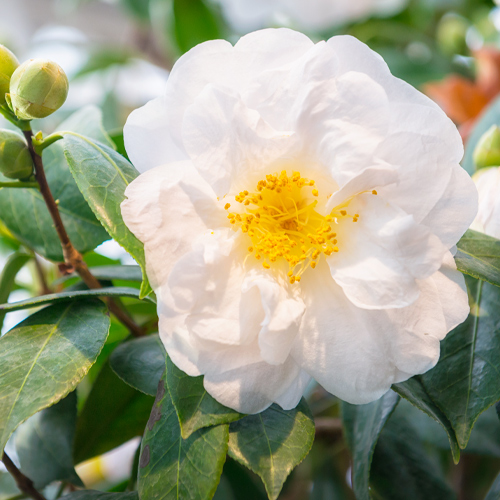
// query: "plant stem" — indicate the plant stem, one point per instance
point(25, 484)
point(72, 257)
point(19, 184)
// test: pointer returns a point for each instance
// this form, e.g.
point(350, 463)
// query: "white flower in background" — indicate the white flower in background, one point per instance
point(297, 206)
point(248, 15)
point(488, 216)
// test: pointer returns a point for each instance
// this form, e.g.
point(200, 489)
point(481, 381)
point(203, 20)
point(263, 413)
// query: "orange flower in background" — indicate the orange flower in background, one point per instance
point(463, 100)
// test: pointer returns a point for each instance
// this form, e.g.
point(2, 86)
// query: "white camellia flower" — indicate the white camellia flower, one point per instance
point(298, 205)
point(488, 215)
point(248, 15)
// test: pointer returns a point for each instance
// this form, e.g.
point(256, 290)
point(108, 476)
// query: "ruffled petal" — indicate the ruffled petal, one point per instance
point(382, 254)
point(229, 142)
point(283, 308)
point(358, 354)
point(167, 208)
point(255, 387)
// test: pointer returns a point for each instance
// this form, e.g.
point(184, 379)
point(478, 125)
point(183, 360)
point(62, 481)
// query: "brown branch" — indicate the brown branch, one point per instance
point(25, 484)
point(73, 260)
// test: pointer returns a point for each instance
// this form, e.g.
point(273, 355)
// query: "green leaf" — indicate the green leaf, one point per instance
point(118, 272)
point(194, 23)
point(113, 413)
point(400, 458)
point(24, 213)
point(494, 491)
point(101, 495)
point(140, 363)
point(174, 468)
point(45, 357)
point(490, 117)
point(363, 425)
point(102, 176)
point(14, 264)
point(272, 443)
point(44, 444)
point(478, 255)
point(194, 406)
point(466, 380)
point(54, 298)
point(8, 487)
point(414, 391)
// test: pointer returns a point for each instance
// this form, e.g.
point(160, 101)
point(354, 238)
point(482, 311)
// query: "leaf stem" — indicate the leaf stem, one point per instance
point(73, 260)
point(24, 125)
point(25, 484)
point(19, 184)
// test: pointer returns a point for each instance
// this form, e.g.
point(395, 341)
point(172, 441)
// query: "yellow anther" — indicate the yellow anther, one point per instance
point(250, 249)
point(266, 265)
point(315, 192)
point(335, 249)
point(227, 205)
point(313, 264)
point(292, 280)
point(374, 191)
point(343, 212)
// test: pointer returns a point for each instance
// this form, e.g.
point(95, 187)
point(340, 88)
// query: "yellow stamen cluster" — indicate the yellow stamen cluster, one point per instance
point(282, 223)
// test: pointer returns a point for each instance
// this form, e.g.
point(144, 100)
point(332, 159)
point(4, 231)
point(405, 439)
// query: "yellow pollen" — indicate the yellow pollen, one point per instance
point(283, 225)
point(374, 191)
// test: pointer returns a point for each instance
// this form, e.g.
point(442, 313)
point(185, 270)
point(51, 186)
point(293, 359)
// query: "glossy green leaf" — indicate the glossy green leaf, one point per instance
point(174, 468)
point(414, 391)
point(101, 495)
point(113, 413)
point(44, 444)
point(272, 443)
point(102, 176)
point(363, 425)
point(140, 363)
point(494, 491)
point(491, 116)
point(25, 214)
point(194, 406)
point(478, 255)
point(45, 357)
point(466, 380)
point(14, 264)
point(401, 468)
point(54, 298)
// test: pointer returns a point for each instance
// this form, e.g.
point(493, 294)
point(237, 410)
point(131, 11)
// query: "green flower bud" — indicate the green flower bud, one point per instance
point(37, 89)
point(15, 158)
point(8, 64)
point(487, 151)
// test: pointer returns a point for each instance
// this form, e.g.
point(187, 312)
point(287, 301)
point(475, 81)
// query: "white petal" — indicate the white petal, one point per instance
point(283, 309)
point(488, 216)
point(253, 388)
point(229, 142)
point(167, 208)
point(381, 256)
point(147, 138)
point(358, 354)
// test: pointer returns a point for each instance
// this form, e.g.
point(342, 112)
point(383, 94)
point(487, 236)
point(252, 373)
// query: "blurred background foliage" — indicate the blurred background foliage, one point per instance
point(117, 54)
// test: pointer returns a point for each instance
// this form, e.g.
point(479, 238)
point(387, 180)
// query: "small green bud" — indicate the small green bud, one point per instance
point(8, 64)
point(37, 89)
point(15, 158)
point(487, 151)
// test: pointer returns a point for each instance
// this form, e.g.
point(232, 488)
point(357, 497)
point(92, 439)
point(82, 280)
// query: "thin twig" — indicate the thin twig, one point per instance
point(72, 257)
point(41, 276)
point(25, 484)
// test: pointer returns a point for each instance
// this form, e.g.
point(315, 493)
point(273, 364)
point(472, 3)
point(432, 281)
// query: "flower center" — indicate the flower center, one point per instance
point(281, 220)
